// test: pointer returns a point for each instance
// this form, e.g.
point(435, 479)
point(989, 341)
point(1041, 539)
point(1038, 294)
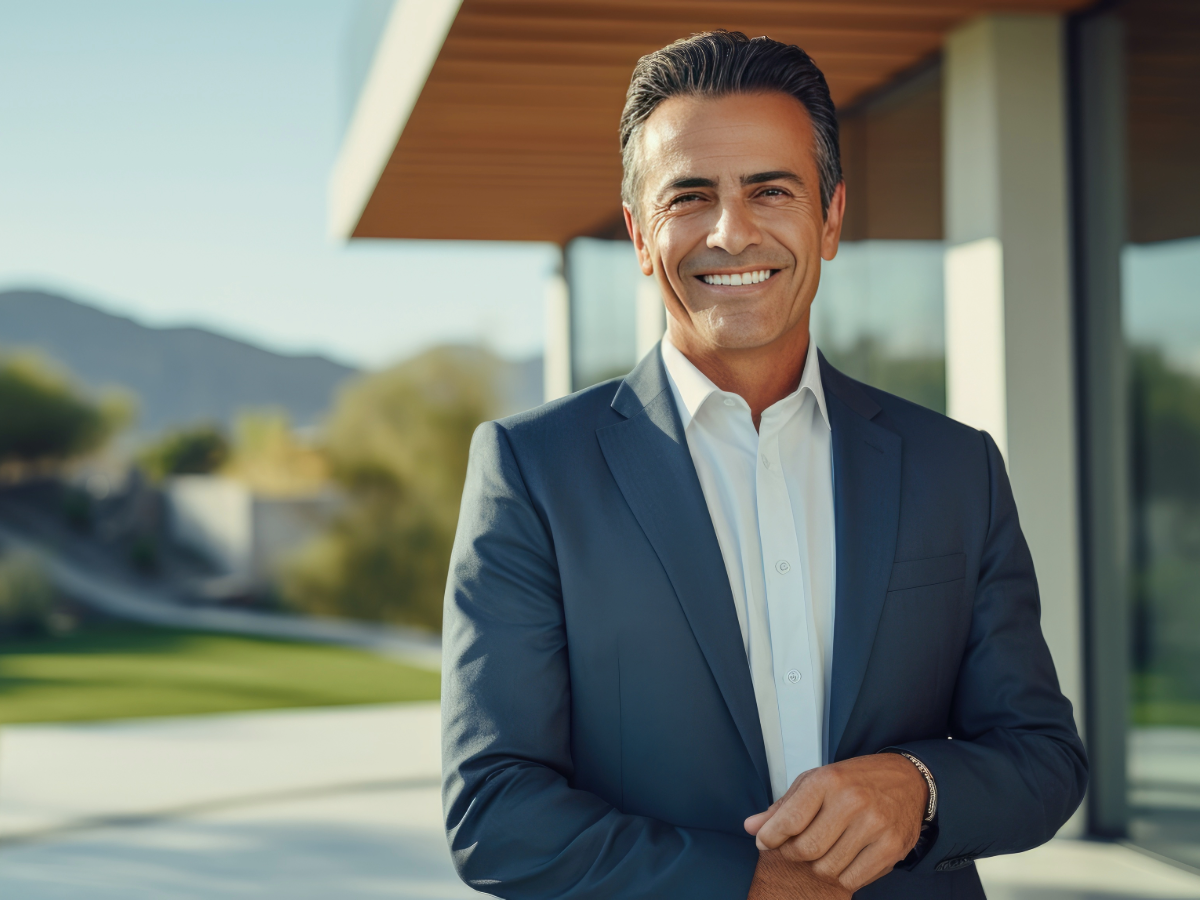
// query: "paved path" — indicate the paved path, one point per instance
point(343, 846)
point(318, 804)
point(295, 803)
point(126, 601)
point(1164, 767)
point(58, 778)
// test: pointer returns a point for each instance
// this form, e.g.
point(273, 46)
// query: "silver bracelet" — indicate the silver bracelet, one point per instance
point(931, 809)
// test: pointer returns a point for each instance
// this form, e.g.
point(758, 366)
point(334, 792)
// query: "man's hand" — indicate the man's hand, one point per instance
point(852, 820)
point(775, 878)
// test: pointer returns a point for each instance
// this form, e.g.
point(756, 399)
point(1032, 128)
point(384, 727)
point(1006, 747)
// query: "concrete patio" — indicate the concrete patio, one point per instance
point(321, 803)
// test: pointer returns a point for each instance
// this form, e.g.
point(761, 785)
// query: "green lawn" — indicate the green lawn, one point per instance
point(1182, 714)
point(127, 672)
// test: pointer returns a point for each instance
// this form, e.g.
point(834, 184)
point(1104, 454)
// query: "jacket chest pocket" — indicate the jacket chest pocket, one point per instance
point(934, 570)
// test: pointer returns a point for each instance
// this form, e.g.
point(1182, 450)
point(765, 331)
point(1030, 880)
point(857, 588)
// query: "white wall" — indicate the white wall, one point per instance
point(214, 517)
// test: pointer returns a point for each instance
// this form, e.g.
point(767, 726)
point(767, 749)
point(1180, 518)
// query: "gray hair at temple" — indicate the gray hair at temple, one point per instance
point(719, 63)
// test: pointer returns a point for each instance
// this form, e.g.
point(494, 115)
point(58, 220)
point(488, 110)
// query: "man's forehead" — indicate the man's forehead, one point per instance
point(735, 134)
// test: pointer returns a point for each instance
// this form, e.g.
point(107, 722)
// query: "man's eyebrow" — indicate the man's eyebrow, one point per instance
point(763, 177)
point(685, 183)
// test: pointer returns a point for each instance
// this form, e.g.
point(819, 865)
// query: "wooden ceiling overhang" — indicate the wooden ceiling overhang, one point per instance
point(512, 135)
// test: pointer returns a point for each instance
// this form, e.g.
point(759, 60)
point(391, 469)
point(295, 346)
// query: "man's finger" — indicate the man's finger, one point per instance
point(756, 821)
point(849, 844)
point(821, 835)
point(872, 863)
point(792, 817)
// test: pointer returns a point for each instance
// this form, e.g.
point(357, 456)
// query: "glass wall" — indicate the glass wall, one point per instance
point(878, 316)
point(1142, 189)
point(1161, 289)
point(603, 278)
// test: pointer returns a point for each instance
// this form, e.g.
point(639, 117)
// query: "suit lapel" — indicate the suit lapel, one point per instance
point(866, 492)
point(648, 455)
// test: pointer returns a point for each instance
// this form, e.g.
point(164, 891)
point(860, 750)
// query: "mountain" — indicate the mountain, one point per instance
point(179, 375)
point(182, 376)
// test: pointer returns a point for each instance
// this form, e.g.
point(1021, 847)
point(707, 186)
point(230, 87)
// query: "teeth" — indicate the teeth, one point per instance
point(739, 278)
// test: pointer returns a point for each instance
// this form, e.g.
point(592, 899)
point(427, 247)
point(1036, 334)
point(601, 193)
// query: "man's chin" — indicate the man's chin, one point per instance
point(733, 337)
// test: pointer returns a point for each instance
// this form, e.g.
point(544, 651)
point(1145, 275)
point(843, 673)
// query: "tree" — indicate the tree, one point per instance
point(199, 450)
point(397, 442)
point(45, 420)
point(270, 458)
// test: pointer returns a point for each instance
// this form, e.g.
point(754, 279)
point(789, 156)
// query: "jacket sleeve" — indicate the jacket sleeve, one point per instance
point(1014, 769)
point(516, 826)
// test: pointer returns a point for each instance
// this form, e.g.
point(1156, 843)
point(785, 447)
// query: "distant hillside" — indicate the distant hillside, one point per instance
point(185, 375)
point(180, 375)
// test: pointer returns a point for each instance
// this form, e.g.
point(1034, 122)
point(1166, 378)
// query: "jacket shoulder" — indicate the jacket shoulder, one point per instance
point(566, 417)
point(907, 415)
point(900, 414)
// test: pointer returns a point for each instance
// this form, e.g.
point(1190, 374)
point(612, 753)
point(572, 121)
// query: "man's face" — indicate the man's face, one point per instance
point(730, 193)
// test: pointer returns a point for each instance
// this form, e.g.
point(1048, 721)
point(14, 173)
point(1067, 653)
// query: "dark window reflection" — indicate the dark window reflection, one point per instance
point(1161, 302)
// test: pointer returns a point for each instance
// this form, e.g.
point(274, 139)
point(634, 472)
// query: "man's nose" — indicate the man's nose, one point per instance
point(734, 231)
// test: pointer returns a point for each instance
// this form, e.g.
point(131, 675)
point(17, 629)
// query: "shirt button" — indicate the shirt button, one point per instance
point(793, 676)
point(783, 567)
point(766, 462)
point(729, 401)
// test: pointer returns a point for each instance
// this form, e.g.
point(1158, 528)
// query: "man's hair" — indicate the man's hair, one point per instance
point(719, 63)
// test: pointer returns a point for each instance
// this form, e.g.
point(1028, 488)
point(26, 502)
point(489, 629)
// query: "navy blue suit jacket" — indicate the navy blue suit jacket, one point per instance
point(600, 732)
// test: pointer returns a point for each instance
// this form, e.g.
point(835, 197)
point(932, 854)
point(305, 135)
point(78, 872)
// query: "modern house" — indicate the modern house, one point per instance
point(244, 534)
point(1022, 249)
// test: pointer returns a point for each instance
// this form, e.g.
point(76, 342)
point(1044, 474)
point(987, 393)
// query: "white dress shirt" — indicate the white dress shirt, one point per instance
point(770, 495)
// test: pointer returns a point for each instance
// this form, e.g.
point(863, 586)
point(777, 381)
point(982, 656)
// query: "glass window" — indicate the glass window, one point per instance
point(1160, 286)
point(878, 316)
point(603, 278)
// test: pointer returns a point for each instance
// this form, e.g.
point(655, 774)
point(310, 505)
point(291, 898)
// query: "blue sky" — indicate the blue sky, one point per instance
point(168, 160)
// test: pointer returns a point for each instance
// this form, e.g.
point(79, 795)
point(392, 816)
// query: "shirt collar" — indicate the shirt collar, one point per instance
point(692, 387)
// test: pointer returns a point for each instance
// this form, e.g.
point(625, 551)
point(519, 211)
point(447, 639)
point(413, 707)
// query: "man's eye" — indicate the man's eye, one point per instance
point(773, 192)
point(684, 198)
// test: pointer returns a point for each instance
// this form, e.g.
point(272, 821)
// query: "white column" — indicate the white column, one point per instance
point(556, 357)
point(1009, 340)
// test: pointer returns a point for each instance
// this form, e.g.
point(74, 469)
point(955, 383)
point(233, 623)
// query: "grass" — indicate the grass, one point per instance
point(1180, 714)
point(129, 672)
point(1159, 699)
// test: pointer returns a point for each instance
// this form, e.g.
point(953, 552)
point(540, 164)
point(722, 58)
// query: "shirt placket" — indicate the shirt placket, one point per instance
point(787, 612)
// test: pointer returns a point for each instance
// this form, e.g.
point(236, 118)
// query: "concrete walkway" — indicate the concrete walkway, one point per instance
point(321, 803)
point(296, 803)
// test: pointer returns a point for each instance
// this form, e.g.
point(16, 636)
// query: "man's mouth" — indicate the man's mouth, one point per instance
point(738, 278)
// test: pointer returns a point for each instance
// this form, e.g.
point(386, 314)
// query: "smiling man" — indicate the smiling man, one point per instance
point(737, 625)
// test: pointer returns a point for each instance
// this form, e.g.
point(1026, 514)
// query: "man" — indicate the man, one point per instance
point(737, 625)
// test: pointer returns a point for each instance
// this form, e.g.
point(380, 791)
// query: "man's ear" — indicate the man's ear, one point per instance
point(831, 231)
point(639, 242)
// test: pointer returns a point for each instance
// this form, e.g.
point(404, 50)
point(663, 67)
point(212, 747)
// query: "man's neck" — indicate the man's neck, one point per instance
point(761, 376)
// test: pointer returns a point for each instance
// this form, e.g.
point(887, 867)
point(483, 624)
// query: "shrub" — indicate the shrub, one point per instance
point(190, 451)
point(397, 442)
point(27, 598)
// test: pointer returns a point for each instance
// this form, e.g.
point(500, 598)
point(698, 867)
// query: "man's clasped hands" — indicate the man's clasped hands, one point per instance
point(838, 828)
